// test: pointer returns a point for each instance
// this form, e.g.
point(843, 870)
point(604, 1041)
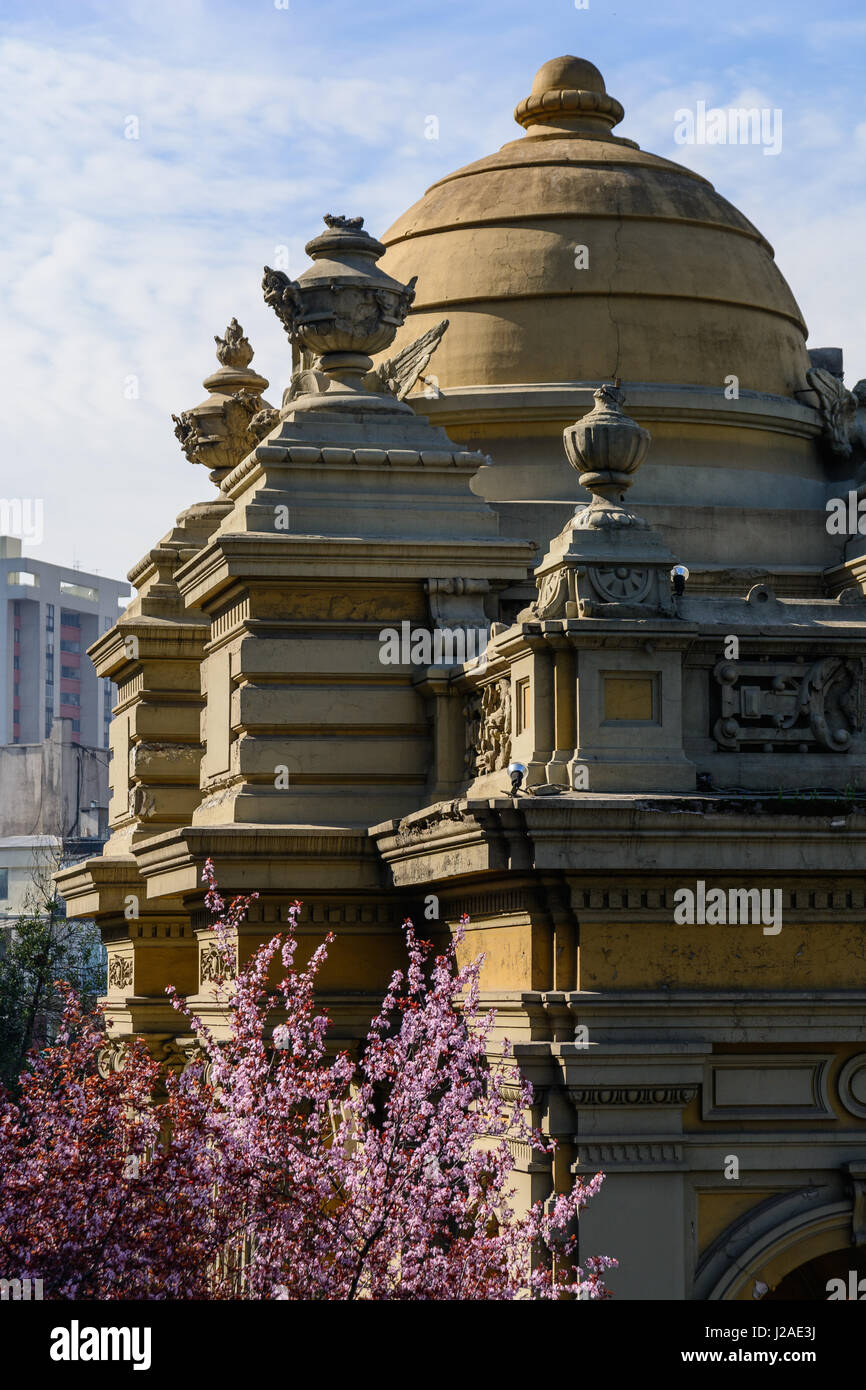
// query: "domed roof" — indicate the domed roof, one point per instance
point(572, 255)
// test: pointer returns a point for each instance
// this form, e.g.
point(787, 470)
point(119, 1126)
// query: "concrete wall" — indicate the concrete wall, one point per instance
point(47, 788)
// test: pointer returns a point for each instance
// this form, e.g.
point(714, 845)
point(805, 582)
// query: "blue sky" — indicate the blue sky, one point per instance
point(124, 257)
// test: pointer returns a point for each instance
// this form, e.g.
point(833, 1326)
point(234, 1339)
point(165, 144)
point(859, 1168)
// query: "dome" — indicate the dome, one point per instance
point(572, 255)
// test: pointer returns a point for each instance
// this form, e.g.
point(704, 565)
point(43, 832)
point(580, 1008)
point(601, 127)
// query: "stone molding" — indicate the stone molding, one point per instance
point(341, 456)
point(759, 1075)
point(581, 1096)
point(621, 1154)
point(857, 1175)
point(851, 1085)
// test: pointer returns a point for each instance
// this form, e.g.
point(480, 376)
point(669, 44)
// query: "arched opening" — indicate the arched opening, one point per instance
point(808, 1282)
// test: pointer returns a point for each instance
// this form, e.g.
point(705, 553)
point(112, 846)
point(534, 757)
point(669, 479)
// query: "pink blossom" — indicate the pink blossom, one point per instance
point(271, 1168)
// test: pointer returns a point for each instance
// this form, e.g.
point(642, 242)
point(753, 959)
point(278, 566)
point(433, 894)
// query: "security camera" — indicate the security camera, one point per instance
point(516, 772)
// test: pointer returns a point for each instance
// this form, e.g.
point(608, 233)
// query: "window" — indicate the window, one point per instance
point(70, 646)
point(16, 663)
point(49, 722)
point(79, 591)
point(67, 697)
point(49, 617)
point(76, 726)
point(4, 883)
point(49, 651)
point(70, 673)
point(68, 619)
point(16, 608)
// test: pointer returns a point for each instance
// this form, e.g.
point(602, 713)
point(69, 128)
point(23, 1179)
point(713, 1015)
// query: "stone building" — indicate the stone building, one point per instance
point(644, 788)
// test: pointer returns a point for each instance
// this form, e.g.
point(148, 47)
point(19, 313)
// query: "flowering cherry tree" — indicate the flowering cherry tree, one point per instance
point(272, 1169)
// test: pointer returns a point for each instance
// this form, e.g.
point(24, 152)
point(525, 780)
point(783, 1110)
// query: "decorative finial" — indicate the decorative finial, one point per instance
point(607, 448)
point(234, 349)
point(341, 223)
point(568, 95)
point(221, 430)
point(339, 312)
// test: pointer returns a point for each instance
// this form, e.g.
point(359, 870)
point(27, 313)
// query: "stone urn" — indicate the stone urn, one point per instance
point(343, 308)
point(606, 447)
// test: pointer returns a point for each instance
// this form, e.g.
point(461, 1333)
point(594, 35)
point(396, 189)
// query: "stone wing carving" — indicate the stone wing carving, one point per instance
point(399, 373)
point(838, 408)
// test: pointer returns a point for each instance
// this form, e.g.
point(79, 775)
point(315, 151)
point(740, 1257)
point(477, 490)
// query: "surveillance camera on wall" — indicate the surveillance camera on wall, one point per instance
point(516, 772)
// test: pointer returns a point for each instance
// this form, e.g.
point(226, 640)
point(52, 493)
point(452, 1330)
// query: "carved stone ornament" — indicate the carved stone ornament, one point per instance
point(620, 583)
point(632, 1095)
point(398, 374)
point(222, 430)
point(606, 562)
point(342, 309)
point(472, 725)
point(120, 972)
point(110, 1058)
point(610, 1153)
point(458, 603)
point(843, 415)
point(553, 594)
point(214, 967)
point(263, 422)
point(786, 704)
point(607, 448)
point(838, 407)
point(234, 349)
point(489, 729)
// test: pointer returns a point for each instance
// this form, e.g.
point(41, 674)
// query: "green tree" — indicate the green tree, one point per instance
point(38, 948)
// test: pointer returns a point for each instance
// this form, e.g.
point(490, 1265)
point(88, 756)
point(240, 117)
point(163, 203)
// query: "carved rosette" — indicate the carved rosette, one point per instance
point(621, 583)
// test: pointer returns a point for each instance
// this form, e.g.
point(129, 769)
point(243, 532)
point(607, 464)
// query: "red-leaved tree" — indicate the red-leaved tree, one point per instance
point(268, 1169)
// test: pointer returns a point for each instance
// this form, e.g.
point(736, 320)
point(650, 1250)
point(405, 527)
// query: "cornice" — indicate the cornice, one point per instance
point(259, 556)
point(564, 401)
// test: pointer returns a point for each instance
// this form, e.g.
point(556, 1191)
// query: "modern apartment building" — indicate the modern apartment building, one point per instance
point(49, 616)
